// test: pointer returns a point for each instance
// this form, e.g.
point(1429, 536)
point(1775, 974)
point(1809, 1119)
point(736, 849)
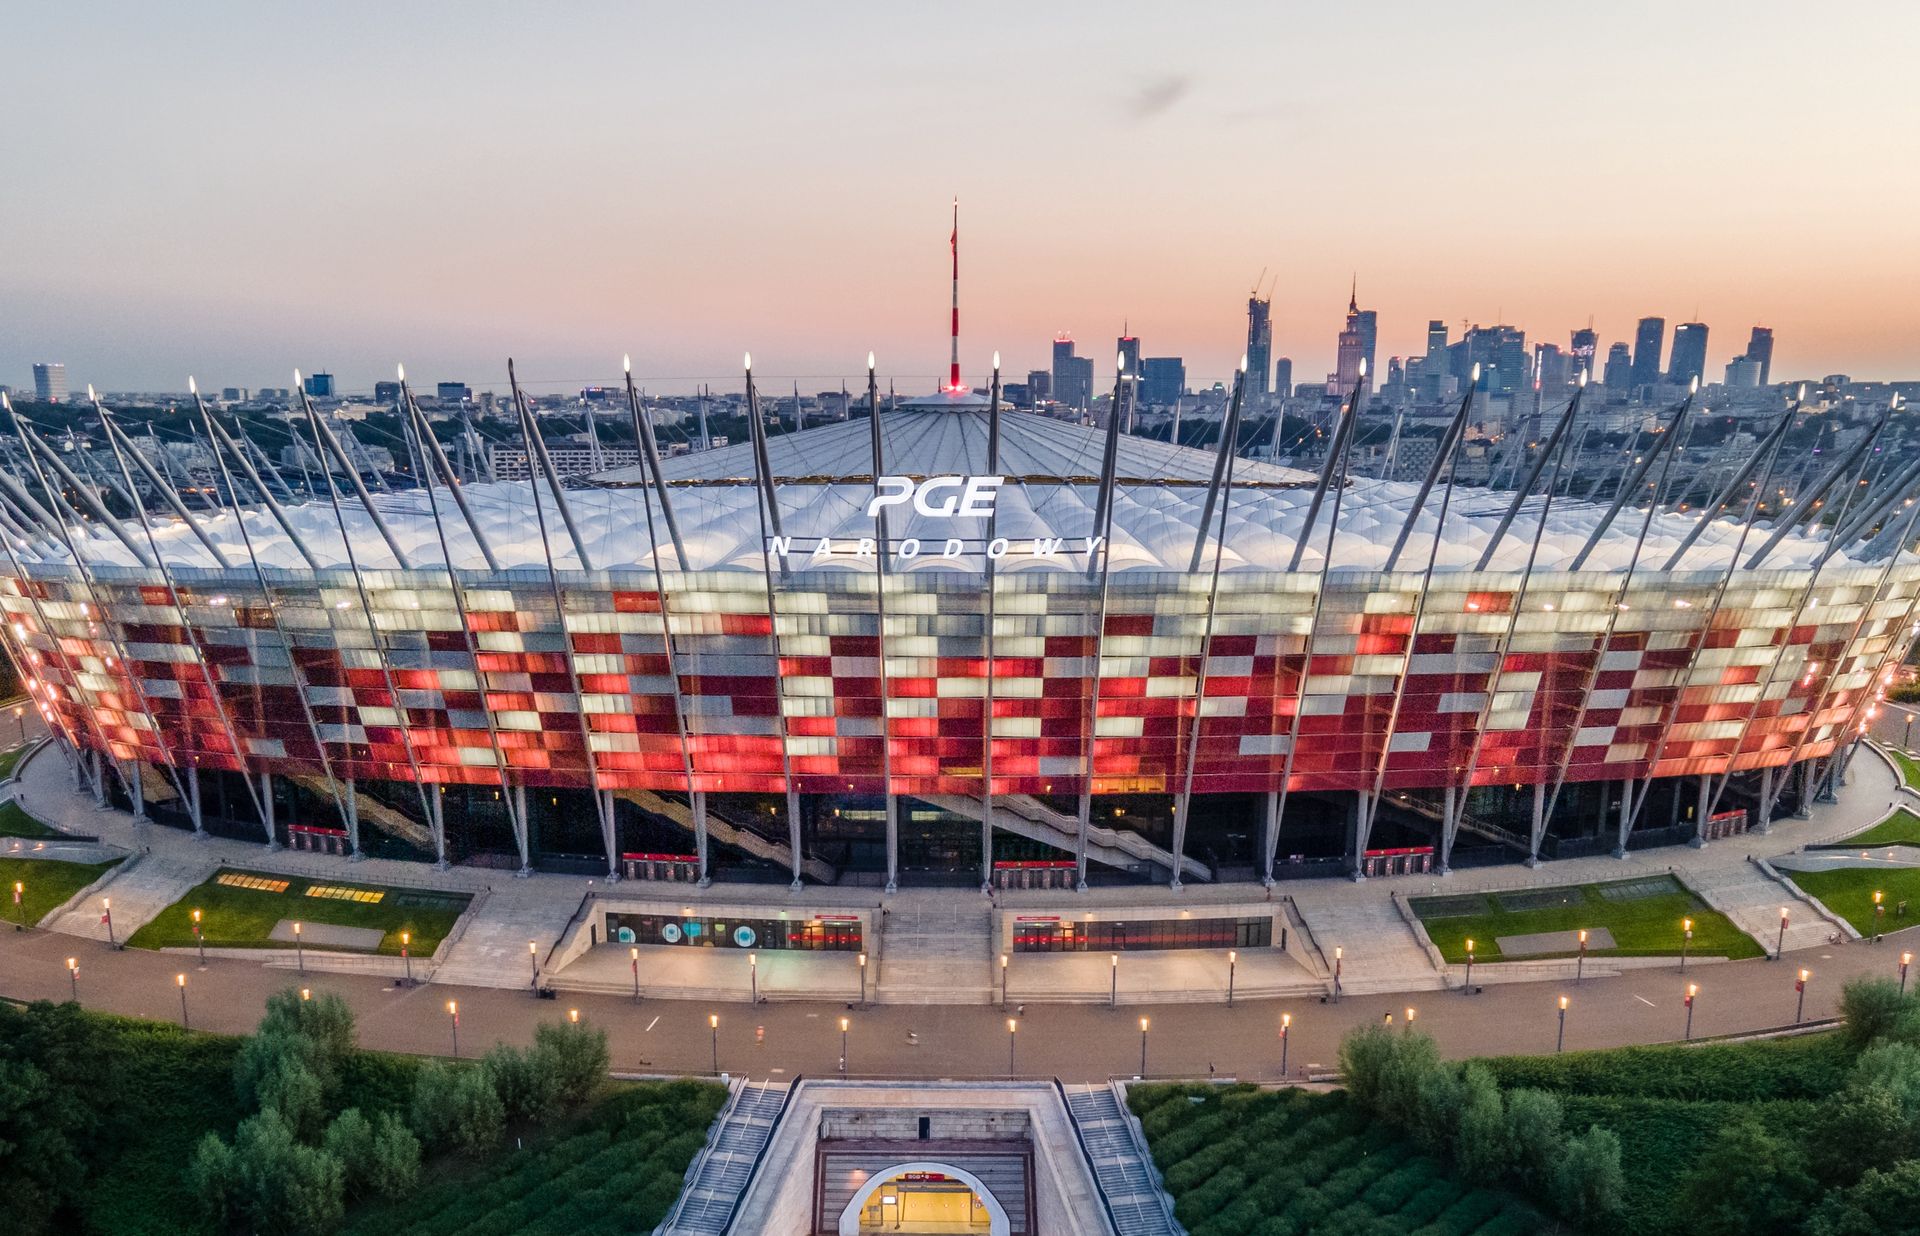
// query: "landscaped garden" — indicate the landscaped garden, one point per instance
point(1848, 892)
point(1643, 915)
point(45, 885)
point(15, 822)
point(110, 1125)
point(1909, 767)
point(1900, 828)
point(1816, 1135)
point(240, 909)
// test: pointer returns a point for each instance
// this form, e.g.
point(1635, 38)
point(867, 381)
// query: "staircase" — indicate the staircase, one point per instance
point(936, 948)
point(724, 1168)
point(1026, 816)
point(1468, 823)
point(371, 811)
point(1120, 1166)
point(743, 839)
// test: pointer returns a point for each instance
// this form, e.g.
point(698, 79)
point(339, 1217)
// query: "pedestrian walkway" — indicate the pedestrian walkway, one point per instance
point(139, 890)
point(721, 1172)
point(1120, 1165)
point(936, 948)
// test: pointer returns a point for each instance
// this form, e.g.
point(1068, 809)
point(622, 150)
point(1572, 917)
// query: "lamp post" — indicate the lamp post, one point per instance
point(1800, 993)
point(20, 719)
point(845, 1023)
point(1233, 960)
point(633, 959)
point(753, 976)
point(713, 1024)
point(1113, 980)
point(573, 1017)
point(1411, 1011)
point(73, 977)
point(1012, 1026)
point(1560, 1040)
point(1286, 1024)
point(1338, 954)
point(1469, 984)
point(106, 916)
point(1143, 1047)
point(863, 980)
point(1686, 939)
point(20, 904)
point(180, 981)
point(1780, 945)
point(453, 1021)
point(199, 941)
point(406, 956)
point(533, 959)
point(1693, 989)
point(1003, 980)
point(1906, 959)
point(1879, 913)
point(299, 948)
point(1580, 963)
point(306, 993)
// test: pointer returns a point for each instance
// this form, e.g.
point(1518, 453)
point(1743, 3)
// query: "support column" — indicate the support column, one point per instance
point(1803, 804)
point(1448, 828)
point(609, 832)
point(1764, 824)
point(1704, 796)
point(193, 801)
point(1622, 818)
point(793, 835)
point(893, 839)
point(436, 820)
point(697, 800)
point(99, 778)
point(1270, 839)
point(352, 804)
point(526, 828)
point(1360, 826)
point(266, 809)
point(1538, 831)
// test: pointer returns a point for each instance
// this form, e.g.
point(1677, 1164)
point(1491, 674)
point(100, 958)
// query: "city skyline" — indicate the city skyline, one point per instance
point(244, 195)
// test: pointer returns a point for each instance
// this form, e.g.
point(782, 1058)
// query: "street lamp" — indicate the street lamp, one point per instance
point(1686, 939)
point(1338, 954)
point(753, 975)
point(180, 981)
point(1233, 960)
point(1780, 946)
point(199, 941)
point(1879, 913)
point(1469, 985)
point(1800, 990)
point(20, 718)
point(1693, 989)
point(1580, 963)
point(20, 904)
point(1003, 980)
point(1410, 1014)
point(406, 957)
point(1113, 980)
point(533, 959)
point(453, 1019)
point(299, 949)
point(845, 1022)
point(306, 993)
point(633, 955)
point(713, 1024)
point(863, 980)
point(106, 916)
point(573, 1016)
point(1906, 959)
point(1013, 1025)
point(1143, 1047)
point(1286, 1024)
point(73, 977)
point(1560, 1040)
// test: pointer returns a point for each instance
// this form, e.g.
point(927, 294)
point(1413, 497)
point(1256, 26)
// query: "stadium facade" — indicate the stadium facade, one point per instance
point(950, 642)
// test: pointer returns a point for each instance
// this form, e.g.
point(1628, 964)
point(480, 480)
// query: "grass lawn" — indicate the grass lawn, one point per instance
point(15, 822)
point(48, 884)
point(1643, 914)
point(9, 758)
point(1902, 826)
point(1848, 892)
point(234, 917)
point(1908, 766)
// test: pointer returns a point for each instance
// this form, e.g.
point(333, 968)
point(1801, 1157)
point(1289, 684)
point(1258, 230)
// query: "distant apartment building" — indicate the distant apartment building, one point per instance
point(1072, 375)
point(1649, 338)
point(1689, 353)
point(50, 382)
point(510, 463)
point(318, 386)
point(1163, 380)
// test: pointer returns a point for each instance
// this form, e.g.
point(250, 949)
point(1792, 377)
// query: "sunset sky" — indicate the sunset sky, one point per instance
point(234, 190)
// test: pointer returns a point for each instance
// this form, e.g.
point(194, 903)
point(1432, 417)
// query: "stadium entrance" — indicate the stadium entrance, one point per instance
point(924, 1198)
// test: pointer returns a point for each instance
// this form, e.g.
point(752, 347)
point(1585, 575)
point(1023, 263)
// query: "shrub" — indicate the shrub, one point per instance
point(213, 1176)
point(1881, 1204)
point(1588, 1182)
point(575, 1057)
point(1437, 1095)
point(527, 1091)
point(1481, 1146)
point(1857, 1131)
point(1874, 1009)
point(281, 1185)
point(1748, 1183)
point(456, 1106)
point(1534, 1136)
point(1892, 1069)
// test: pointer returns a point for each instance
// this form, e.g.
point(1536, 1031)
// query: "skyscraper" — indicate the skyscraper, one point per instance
point(1259, 349)
point(1619, 372)
point(1163, 379)
point(1689, 353)
point(1128, 349)
point(319, 385)
point(1648, 339)
point(1283, 377)
point(50, 382)
point(1366, 324)
point(1585, 351)
point(1348, 368)
point(1760, 348)
point(1501, 353)
point(1552, 368)
point(1436, 338)
point(1072, 375)
point(1039, 384)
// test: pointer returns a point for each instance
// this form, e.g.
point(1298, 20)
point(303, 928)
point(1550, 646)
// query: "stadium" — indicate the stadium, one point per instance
point(946, 642)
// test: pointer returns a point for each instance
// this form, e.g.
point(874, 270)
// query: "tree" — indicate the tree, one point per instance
point(1534, 1136)
point(213, 1175)
point(52, 1092)
point(1481, 1144)
point(1856, 1131)
point(396, 1157)
point(1747, 1183)
point(1881, 1204)
point(1892, 1069)
point(281, 1185)
point(528, 1087)
point(350, 1140)
point(576, 1058)
point(456, 1106)
point(1588, 1181)
point(1875, 1009)
point(1437, 1096)
point(317, 1034)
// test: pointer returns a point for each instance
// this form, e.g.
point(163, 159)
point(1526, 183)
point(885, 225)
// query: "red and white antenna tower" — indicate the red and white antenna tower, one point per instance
point(953, 242)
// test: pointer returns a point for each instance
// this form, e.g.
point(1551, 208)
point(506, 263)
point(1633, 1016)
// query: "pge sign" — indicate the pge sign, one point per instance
point(941, 497)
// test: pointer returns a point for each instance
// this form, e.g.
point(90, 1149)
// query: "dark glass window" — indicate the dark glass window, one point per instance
point(1066, 936)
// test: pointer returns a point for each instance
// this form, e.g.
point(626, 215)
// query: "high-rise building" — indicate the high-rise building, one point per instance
point(1689, 353)
point(319, 385)
point(1760, 348)
point(1649, 337)
point(1349, 370)
point(50, 382)
point(1359, 340)
point(1127, 348)
point(1584, 352)
point(1259, 349)
point(1501, 353)
point(1163, 379)
point(1743, 373)
point(1283, 377)
point(1552, 368)
point(1436, 338)
point(1039, 385)
point(1072, 375)
point(386, 392)
point(1618, 375)
point(452, 392)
